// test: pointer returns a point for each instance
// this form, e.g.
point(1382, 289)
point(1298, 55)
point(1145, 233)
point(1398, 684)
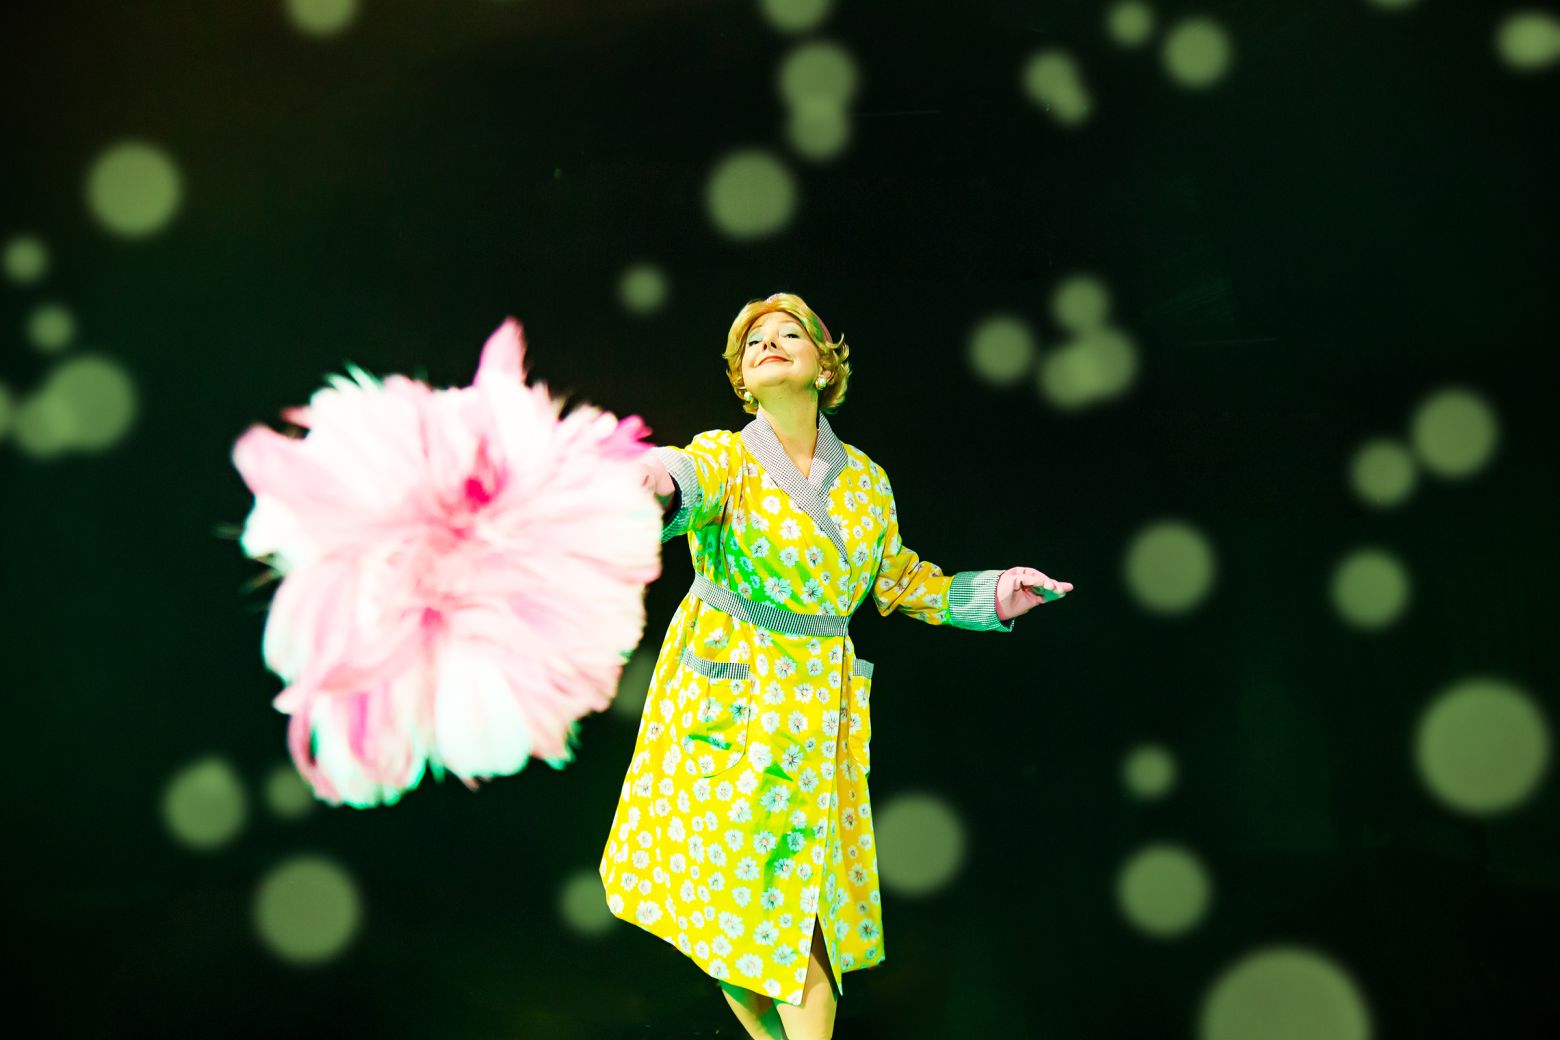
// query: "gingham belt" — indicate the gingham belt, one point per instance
point(776, 619)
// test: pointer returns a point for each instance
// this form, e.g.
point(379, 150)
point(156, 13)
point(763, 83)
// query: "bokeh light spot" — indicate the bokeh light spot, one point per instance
point(920, 844)
point(1482, 746)
point(286, 794)
point(1081, 303)
point(818, 72)
point(1370, 589)
point(795, 15)
point(1284, 993)
point(1001, 349)
point(634, 685)
point(322, 18)
point(90, 400)
point(1163, 890)
point(1383, 473)
point(203, 805)
point(751, 194)
point(307, 910)
point(1197, 52)
point(41, 428)
point(50, 327)
point(133, 189)
point(26, 259)
point(582, 903)
point(642, 288)
point(1129, 23)
point(1052, 80)
point(1149, 771)
point(818, 130)
point(1169, 567)
point(1528, 40)
point(1065, 379)
point(1454, 433)
point(1096, 366)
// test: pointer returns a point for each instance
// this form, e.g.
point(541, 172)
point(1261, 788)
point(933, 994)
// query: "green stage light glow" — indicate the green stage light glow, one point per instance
point(1284, 992)
point(818, 72)
point(1454, 433)
point(42, 427)
point(795, 15)
point(134, 189)
point(1528, 40)
point(1383, 473)
point(1482, 746)
point(307, 910)
point(203, 805)
point(88, 403)
point(1081, 303)
point(286, 794)
point(643, 288)
point(582, 904)
point(50, 328)
point(750, 194)
point(633, 685)
point(1163, 890)
point(26, 259)
point(1149, 771)
point(1053, 80)
point(1169, 567)
point(818, 130)
point(1001, 349)
point(1197, 53)
point(1370, 589)
point(1130, 24)
point(322, 18)
point(1096, 366)
point(920, 844)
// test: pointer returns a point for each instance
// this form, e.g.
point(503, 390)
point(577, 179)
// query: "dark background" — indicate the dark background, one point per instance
point(1362, 212)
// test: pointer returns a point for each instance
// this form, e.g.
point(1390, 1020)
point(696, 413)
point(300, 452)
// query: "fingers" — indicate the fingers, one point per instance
point(1040, 585)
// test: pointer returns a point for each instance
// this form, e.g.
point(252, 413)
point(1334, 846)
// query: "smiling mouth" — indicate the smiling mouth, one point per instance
point(773, 357)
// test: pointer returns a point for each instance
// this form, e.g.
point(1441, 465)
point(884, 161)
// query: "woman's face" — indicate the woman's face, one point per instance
point(778, 356)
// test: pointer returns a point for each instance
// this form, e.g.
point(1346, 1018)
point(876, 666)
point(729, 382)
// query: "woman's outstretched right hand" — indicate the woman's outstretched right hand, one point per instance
point(656, 478)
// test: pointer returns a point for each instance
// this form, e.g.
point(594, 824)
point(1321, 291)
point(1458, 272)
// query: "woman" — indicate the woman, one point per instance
point(743, 835)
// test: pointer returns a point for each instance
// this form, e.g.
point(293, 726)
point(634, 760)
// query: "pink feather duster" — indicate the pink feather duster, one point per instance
point(463, 573)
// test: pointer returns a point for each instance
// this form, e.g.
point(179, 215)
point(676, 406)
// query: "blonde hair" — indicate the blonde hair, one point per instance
point(831, 352)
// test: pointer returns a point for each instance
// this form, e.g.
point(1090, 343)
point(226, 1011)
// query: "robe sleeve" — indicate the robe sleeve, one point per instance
point(701, 472)
point(916, 587)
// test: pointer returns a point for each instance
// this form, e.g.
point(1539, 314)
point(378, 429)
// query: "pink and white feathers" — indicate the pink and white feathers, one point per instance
point(463, 573)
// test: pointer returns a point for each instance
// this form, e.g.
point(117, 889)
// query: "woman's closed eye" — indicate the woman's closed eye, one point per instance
point(756, 342)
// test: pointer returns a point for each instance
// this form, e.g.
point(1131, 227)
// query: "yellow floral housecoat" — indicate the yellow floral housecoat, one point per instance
point(745, 812)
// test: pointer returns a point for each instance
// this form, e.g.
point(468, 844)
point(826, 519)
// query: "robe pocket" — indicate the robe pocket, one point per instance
point(858, 715)
point(720, 702)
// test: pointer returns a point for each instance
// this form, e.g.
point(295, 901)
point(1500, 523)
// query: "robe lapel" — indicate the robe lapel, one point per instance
point(811, 494)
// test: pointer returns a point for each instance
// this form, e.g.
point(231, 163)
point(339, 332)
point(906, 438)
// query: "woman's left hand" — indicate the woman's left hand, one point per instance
point(1021, 589)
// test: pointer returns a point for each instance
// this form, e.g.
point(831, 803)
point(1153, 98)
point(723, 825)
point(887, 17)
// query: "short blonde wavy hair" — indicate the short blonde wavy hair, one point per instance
point(831, 352)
